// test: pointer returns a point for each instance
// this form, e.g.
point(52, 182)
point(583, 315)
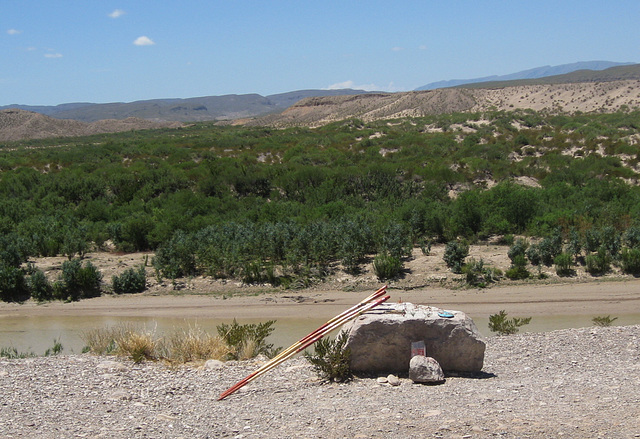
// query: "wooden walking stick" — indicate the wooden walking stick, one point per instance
point(365, 305)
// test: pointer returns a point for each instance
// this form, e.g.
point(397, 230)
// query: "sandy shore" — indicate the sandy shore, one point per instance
point(591, 298)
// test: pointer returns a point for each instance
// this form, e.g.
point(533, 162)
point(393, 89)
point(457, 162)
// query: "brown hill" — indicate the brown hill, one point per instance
point(569, 97)
point(21, 124)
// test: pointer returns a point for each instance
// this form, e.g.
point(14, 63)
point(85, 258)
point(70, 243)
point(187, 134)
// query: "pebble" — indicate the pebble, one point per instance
point(517, 395)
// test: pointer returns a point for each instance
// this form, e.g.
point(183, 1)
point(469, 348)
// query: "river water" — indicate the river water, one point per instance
point(36, 334)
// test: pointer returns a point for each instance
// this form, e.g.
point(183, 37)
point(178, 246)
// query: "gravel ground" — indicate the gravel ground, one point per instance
point(582, 383)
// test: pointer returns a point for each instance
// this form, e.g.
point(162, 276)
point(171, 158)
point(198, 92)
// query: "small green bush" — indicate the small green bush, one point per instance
point(477, 274)
point(386, 266)
point(564, 264)
point(500, 324)
point(517, 249)
point(330, 359)
point(598, 263)
point(518, 269)
point(41, 289)
point(534, 255)
point(603, 320)
point(130, 281)
point(454, 254)
point(630, 261)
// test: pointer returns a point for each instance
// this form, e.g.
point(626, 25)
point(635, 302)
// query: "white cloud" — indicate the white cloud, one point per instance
point(143, 41)
point(397, 49)
point(423, 47)
point(53, 55)
point(353, 85)
point(14, 31)
point(391, 87)
point(117, 13)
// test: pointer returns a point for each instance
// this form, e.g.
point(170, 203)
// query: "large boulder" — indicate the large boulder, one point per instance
point(380, 340)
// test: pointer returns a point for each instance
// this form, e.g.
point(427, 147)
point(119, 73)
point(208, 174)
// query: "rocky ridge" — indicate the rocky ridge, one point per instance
point(569, 98)
point(571, 383)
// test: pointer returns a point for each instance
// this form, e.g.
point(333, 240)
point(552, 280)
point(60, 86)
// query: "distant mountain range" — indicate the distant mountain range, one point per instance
point(538, 72)
point(206, 108)
point(315, 107)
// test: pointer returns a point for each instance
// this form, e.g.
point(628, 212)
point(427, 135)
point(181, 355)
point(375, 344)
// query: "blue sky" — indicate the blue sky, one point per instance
point(59, 51)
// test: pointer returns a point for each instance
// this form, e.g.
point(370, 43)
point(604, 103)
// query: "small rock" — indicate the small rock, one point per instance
point(393, 380)
point(425, 370)
point(111, 365)
point(120, 395)
point(213, 364)
point(382, 380)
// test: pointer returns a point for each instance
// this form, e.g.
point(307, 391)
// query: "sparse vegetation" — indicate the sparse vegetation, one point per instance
point(500, 324)
point(603, 320)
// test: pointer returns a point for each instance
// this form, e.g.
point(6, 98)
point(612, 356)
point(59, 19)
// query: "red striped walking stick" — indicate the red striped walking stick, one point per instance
point(365, 305)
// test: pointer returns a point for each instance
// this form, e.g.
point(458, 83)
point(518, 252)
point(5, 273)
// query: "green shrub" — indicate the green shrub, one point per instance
point(77, 282)
point(386, 266)
point(130, 281)
point(549, 248)
point(518, 269)
point(500, 324)
point(631, 237)
point(176, 258)
point(249, 340)
point(13, 286)
point(630, 261)
point(454, 254)
point(603, 320)
point(534, 255)
point(564, 263)
point(477, 274)
point(599, 263)
point(517, 249)
point(40, 287)
point(330, 359)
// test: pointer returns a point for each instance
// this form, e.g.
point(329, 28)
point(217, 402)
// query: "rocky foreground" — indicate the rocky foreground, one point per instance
point(582, 383)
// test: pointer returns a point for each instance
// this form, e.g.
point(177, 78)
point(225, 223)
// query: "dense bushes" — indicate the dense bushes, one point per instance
point(268, 205)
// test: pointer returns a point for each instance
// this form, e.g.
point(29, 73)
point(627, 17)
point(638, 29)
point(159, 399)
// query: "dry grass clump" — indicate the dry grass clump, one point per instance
point(139, 344)
point(195, 344)
point(102, 341)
